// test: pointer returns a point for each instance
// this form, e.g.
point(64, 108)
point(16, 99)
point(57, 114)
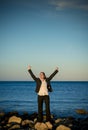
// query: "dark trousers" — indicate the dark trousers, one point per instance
point(42, 99)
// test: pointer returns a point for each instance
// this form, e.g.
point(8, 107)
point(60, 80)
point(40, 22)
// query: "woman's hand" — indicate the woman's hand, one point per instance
point(57, 68)
point(29, 67)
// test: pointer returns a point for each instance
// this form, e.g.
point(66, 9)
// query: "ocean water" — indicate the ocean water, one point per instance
point(64, 100)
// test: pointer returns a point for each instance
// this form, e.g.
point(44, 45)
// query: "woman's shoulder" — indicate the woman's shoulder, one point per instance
point(38, 79)
point(47, 79)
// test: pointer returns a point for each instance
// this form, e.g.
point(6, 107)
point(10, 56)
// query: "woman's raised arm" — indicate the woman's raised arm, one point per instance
point(54, 73)
point(31, 73)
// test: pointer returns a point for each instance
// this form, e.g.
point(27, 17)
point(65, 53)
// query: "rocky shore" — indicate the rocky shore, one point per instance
point(15, 121)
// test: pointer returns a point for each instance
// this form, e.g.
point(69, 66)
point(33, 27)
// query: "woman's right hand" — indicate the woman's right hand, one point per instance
point(29, 67)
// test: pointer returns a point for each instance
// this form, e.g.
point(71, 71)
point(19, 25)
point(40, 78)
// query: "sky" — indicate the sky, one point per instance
point(44, 34)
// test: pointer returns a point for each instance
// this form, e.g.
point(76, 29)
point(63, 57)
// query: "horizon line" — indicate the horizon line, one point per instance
point(51, 81)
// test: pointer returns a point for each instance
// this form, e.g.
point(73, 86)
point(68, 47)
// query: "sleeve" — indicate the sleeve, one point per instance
point(53, 74)
point(32, 75)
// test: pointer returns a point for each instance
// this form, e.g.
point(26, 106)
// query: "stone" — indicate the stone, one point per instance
point(15, 119)
point(44, 117)
point(28, 122)
point(37, 125)
point(62, 127)
point(2, 114)
point(35, 120)
point(49, 125)
point(40, 126)
point(25, 122)
point(70, 125)
point(58, 120)
point(81, 111)
point(8, 125)
point(14, 127)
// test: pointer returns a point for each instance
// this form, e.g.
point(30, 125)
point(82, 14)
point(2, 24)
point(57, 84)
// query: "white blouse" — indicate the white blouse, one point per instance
point(43, 89)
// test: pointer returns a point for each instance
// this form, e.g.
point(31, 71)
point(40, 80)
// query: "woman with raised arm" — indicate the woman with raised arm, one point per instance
point(43, 86)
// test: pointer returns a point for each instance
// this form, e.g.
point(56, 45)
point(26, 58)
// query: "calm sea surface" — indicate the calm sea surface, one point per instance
point(64, 100)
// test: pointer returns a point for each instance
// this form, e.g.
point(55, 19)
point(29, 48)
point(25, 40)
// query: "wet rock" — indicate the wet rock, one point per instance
point(49, 125)
point(81, 111)
point(15, 119)
point(58, 120)
point(35, 120)
point(83, 123)
point(9, 125)
point(62, 127)
point(68, 121)
point(29, 123)
point(84, 128)
point(29, 117)
point(2, 114)
point(17, 126)
point(64, 121)
point(41, 126)
point(44, 117)
point(0, 127)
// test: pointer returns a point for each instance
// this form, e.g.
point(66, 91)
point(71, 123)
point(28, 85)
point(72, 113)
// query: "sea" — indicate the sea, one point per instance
point(66, 98)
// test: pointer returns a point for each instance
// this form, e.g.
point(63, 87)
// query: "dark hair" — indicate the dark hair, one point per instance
point(44, 75)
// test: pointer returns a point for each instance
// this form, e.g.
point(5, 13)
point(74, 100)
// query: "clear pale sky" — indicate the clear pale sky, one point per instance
point(44, 34)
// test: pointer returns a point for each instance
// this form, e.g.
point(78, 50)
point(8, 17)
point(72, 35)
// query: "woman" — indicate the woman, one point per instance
point(43, 86)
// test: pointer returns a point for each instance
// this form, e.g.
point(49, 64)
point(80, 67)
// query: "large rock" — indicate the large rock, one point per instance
point(40, 126)
point(81, 111)
point(62, 127)
point(15, 119)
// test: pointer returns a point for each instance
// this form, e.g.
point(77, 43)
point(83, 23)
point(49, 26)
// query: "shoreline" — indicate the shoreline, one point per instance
point(25, 121)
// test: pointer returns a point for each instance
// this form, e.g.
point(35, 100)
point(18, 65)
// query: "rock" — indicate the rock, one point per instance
point(14, 127)
point(0, 127)
point(37, 125)
point(84, 128)
point(35, 120)
point(70, 125)
point(83, 123)
point(40, 126)
point(58, 120)
point(62, 127)
point(28, 122)
point(15, 119)
point(25, 122)
point(8, 125)
point(44, 117)
point(49, 125)
point(81, 111)
point(2, 114)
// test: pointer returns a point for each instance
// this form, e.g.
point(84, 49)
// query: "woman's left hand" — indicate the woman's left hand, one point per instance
point(57, 68)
